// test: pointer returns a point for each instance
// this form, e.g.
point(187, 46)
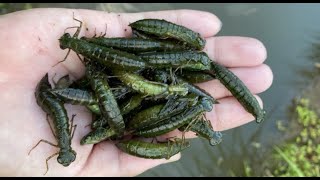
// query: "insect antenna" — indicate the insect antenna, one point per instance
point(105, 31)
point(45, 141)
point(72, 128)
point(47, 118)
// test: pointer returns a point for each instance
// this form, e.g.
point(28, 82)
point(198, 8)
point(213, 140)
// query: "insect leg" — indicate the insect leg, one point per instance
point(65, 58)
point(95, 33)
point(47, 118)
point(105, 32)
point(45, 141)
point(190, 124)
point(72, 128)
point(48, 160)
point(83, 62)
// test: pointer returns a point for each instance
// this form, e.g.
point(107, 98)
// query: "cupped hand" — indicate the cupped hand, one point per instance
point(30, 48)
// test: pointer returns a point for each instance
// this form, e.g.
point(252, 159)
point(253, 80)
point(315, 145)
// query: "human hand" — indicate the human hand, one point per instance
point(29, 48)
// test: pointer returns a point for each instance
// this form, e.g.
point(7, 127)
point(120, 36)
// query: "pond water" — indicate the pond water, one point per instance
point(287, 31)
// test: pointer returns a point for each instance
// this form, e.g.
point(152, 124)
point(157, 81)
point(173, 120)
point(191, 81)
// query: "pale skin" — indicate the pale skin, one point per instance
point(29, 48)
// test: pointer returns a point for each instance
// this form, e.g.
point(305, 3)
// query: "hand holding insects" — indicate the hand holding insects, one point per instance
point(30, 48)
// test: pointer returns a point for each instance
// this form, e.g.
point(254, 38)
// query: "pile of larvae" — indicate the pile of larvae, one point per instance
point(140, 87)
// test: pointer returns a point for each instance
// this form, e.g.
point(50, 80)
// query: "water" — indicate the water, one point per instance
point(287, 31)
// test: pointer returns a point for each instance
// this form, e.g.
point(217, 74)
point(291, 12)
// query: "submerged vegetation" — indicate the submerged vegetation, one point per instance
point(300, 157)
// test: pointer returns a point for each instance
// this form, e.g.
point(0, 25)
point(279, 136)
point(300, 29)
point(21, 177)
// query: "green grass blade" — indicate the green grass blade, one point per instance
point(291, 164)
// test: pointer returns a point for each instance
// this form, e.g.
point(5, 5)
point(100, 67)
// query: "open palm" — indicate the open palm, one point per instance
point(29, 48)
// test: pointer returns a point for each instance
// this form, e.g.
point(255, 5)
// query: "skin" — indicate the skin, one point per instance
point(29, 48)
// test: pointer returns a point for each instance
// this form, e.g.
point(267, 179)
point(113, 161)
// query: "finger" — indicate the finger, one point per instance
point(233, 51)
point(226, 115)
point(205, 23)
point(133, 165)
point(257, 79)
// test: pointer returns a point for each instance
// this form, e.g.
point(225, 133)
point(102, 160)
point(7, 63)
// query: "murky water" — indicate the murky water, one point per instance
point(287, 31)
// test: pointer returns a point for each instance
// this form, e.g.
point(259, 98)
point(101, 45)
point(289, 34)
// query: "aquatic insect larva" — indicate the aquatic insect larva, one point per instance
point(107, 103)
point(194, 76)
point(105, 56)
point(165, 29)
point(153, 150)
point(189, 60)
point(75, 96)
point(97, 135)
point(62, 130)
point(150, 88)
point(204, 129)
point(238, 90)
point(134, 45)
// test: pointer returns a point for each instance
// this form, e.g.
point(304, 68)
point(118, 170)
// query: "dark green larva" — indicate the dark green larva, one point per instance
point(75, 96)
point(178, 103)
point(189, 60)
point(106, 56)
point(153, 150)
point(194, 76)
point(203, 129)
point(107, 103)
point(56, 110)
point(145, 117)
point(170, 124)
point(165, 29)
point(239, 91)
point(97, 135)
point(135, 45)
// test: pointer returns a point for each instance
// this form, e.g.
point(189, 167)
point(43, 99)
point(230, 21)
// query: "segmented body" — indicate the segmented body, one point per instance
point(145, 117)
point(239, 91)
point(177, 104)
point(203, 129)
point(135, 45)
point(149, 88)
point(97, 135)
point(131, 104)
point(106, 56)
point(75, 96)
point(155, 114)
point(191, 88)
point(195, 76)
point(107, 103)
point(94, 108)
point(99, 122)
point(151, 150)
point(54, 107)
point(196, 90)
point(190, 60)
point(165, 29)
point(140, 34)
point(170, 124)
